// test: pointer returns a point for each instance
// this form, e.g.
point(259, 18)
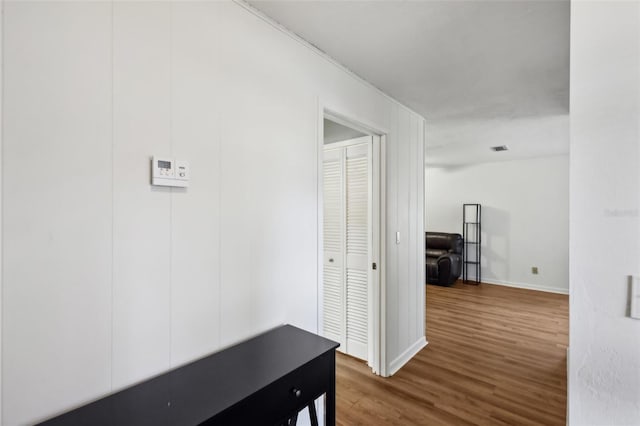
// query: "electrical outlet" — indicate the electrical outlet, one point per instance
point(534, 270)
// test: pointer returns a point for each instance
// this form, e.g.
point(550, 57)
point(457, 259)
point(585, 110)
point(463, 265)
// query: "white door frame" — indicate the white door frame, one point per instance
point(377, 323)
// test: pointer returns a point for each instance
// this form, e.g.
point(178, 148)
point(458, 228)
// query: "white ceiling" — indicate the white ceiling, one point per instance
point(477, 70)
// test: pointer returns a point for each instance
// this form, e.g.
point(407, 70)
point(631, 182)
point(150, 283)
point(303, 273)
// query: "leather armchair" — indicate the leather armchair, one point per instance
point(443, 257)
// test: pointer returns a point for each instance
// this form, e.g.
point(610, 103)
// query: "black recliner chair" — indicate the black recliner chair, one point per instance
point(443, 257)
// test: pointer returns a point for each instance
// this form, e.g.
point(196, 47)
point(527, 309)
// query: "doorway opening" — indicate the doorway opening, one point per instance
point(350, 245)
point(521, 298)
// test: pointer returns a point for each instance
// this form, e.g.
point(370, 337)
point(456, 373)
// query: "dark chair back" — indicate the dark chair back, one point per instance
point(444, 242)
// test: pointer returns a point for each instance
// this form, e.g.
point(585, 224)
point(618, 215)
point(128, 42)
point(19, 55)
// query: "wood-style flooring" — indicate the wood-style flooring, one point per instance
point(496, 356)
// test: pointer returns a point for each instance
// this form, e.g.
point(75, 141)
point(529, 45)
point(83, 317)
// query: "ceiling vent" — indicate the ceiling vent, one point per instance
point(499, 148)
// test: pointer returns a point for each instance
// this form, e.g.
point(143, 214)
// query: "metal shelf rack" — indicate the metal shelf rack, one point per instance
point(472, 237)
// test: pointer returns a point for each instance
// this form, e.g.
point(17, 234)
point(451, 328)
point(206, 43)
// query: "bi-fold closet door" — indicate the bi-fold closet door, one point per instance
point(347, 241)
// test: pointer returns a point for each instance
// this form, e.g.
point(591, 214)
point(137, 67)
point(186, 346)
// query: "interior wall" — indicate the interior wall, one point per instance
point(525, 217)
point(107, 280)
point(604, 367)
point(335, 132)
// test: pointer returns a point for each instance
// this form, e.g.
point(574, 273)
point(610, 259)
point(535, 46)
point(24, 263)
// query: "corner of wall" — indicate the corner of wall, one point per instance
point(404, 357)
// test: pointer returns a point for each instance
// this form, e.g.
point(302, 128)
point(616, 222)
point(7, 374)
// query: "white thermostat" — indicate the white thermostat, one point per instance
point(169, 172)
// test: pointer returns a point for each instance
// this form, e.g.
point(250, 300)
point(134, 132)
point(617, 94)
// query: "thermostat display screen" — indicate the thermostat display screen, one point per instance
point(164, 164)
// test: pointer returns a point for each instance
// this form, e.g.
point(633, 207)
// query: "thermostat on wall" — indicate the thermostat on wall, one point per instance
point(169, 172)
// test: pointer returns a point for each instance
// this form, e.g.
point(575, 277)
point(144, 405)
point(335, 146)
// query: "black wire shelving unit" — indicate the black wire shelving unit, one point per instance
point(472, 238)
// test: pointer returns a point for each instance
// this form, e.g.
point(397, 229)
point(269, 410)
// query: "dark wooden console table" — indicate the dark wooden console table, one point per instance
point(266, 380)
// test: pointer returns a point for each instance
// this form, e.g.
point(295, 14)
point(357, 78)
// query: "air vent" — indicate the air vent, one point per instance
point(499, 148)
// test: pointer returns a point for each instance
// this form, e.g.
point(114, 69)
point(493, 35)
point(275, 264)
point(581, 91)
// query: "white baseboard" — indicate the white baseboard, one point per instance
point(406, 356)
point(558, 290)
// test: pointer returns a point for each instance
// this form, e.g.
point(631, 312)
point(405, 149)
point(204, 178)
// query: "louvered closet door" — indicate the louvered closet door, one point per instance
point(347, 233)
point(333, 265)
point(357, 178)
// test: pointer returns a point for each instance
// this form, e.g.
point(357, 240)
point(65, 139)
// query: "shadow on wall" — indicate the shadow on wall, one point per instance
point(496, 244)
point(449, 168)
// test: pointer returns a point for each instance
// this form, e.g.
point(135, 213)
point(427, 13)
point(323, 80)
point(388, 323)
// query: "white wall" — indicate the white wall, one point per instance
point(604, 375)
point(335, 132)
point(107, 281)
point(525, 217)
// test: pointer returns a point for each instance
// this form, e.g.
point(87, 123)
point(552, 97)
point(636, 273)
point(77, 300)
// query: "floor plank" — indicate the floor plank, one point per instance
point(496, 356)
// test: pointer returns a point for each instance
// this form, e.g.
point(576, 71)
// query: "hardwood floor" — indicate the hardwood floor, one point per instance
point(496, 356)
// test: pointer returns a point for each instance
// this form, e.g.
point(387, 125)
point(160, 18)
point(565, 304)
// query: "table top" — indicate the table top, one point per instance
point(202, 389)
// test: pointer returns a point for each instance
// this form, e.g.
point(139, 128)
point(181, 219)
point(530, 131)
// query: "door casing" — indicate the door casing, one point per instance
point(377, 328)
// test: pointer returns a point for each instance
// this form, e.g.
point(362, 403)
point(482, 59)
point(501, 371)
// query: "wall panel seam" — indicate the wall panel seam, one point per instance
point(171, 230)
point(113, 196)
point(2, 22)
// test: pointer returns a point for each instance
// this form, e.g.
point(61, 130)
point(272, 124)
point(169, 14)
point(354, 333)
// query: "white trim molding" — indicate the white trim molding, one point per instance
point(377, 140)
point(406, 356)
point(526, 286)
